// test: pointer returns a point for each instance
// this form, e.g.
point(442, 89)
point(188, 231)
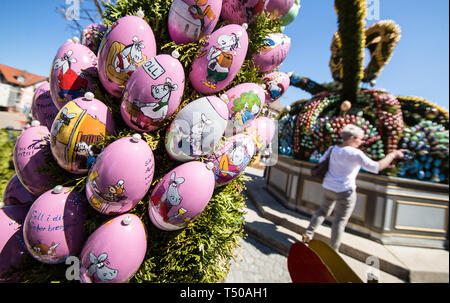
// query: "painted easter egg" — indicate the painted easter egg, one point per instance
point(29, 155)
point(190, 20)
point(70, 74)
point(127, 44)
point(43, 109)
point(242, 11)
point(16, 194)
point(245, 102)
point(291, 14)
point(279, 8)
point(114, 251)
point(121, 176)
point(78, 125)
point(181, 195)
point(153, 93)
point(273, 53)
point(53, 228)
point(277, 84)
point(220, 59)
point(232, 157)
point(90, 34)
point(12, 246)
point(197, 128)
point(262, 131)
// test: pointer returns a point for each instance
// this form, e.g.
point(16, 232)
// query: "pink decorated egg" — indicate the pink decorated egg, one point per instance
point(181, 195)
point(153, 93)
point(245, 102)
point(30, 154)
point(242, 11)
point(114, 252)
point(190, 20)
point(277, 84)
point(16, 194)
point(70, 74)
point(291, 14)
point(53, 228)
point(43, 109)
point(78, 125)
point(262, 131)
point(90, 34)
point(220, 59)
point(121, 176)
point(197, 128)
point(232, 157)
point(126, 45)
point(279, 8)
point(12, 246)
point(273, 53)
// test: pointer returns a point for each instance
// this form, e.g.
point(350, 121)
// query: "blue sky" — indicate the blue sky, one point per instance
point(31, 32)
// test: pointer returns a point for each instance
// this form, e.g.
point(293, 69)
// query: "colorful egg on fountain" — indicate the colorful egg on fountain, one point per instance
point(196, 129)
point(346, 105)
point(114, 251)
point(291, 14)
point(78, 125)
point(232, 157)
point(220, 59)
point(245, 102)
point(16, 194)
point(153, 93)
point(89, 35)
point(53, 228)
point(262, 131)
point(126, 45)
point(181, 195)
point(29, 155)
point(242, 11)
point(279, 8)
point(43, 109)
point(277, 84)
point(273, 53)
point(121, 176)
point(190, 20)
point(12, 246)
point(70, 75)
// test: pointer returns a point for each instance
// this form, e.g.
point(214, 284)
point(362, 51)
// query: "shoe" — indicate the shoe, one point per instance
point(306, 238)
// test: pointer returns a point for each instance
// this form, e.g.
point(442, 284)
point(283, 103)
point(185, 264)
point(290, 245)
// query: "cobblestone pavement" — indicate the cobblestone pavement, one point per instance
point(257, 263)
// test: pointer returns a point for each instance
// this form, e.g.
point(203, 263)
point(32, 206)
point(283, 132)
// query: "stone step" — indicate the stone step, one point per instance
point(393, 260)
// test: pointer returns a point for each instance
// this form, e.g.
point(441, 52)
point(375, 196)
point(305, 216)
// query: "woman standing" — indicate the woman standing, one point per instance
point(339, 184)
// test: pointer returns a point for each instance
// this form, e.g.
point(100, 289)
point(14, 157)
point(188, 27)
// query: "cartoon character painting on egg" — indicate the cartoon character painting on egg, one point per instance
point(240, 11)
point(245, 102)
point(273, 53)
point(153, 93)
point(219, 60)
point(276, 85)
point(197, 128)
point(232, 158)
point(77, 127)
point(189, 20)
point(126, 45)
point(181, 195)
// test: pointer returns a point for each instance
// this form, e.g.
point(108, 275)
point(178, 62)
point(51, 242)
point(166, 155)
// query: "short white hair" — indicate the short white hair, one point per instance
point(351, 130)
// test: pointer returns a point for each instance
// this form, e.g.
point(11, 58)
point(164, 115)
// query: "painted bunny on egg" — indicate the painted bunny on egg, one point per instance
point(220, 59)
